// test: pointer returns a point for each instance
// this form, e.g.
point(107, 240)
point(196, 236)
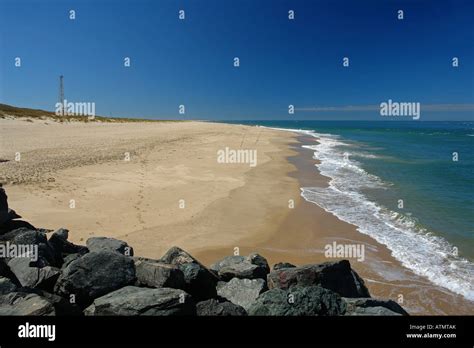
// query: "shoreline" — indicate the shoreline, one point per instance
point(226, 206)
point(385, 276)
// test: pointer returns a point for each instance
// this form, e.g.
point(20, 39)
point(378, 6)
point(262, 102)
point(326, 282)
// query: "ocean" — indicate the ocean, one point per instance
point(409, 185)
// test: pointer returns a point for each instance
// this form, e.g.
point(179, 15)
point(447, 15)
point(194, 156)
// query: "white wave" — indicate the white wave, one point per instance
point(425, 254)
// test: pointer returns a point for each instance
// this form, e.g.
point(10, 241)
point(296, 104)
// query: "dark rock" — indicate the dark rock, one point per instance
point(14, 225)
point(157, 274)
point(95, 274)
point(242, 292)
point(62, 246)
point(6, 272)
point(281, 265)
point(336, 276)
point(61, 305)
point(177, 256)
point(6, 214)
point(24, 236)
point(259, 260)
point(22, 303)
point(298, 301)
point(31, 276)
point(6, 286)
point(213, 307)
point(98, 244)
point(132, 301)
point(251, 267)
point(28, 239)
point(69, 258)
point(3, 206)
point(200, 281)
point(371, 306)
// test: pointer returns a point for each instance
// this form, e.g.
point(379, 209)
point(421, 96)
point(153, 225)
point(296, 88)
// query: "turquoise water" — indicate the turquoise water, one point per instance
point(374, 165)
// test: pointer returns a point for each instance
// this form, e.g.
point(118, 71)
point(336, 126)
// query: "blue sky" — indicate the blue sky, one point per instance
point(282, 62)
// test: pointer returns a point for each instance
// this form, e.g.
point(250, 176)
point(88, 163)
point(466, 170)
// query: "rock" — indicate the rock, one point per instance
point(6, 272)
point(371, 306)
point(336, 276)
point(157, 274)
point(95, 274)
point(298, 301)
point(26, 236)
point(6, 214)
point(22, 303)
point(200, 281)
point(259, 260)
point(3, 206)
point(213, 307)
point(33, 277)
point(251, 267)
point(98, 244)
point(62, 233)
point(281, 265)
point(61, 305)
point(62, 246)
point(242, 292)
point(132, 301)
point(177, 256)
point(31, 241)
point(6, 286)
point(69, 258)
point(12, 225)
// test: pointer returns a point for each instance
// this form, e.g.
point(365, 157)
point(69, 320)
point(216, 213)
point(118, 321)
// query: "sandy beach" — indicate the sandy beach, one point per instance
point(156, 185)
point(172, 191)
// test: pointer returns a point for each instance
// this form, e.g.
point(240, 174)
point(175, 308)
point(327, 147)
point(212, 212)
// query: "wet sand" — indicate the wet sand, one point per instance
point(301, 238)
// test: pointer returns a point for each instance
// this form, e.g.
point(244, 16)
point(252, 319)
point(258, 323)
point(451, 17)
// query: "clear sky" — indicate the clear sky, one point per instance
point(282, 62)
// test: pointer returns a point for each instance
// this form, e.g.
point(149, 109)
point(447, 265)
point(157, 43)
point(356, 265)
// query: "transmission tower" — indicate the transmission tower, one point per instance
point(61, 94)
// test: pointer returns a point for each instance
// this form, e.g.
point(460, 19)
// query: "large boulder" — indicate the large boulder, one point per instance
point(132, 301)
point(251, 267)
point(98, 244)
point(336, 276)
point(6, 286)
point(25, 304)
point(157, 274)
point(216, 308)
point(95, 274)
point(200, 281)
point(31, 276)
point(242, 292)
point(371, 306)
point(298, 301)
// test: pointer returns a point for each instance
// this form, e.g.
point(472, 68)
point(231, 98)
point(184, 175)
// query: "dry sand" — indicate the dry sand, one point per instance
point(226, 206)
point(139, 200)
